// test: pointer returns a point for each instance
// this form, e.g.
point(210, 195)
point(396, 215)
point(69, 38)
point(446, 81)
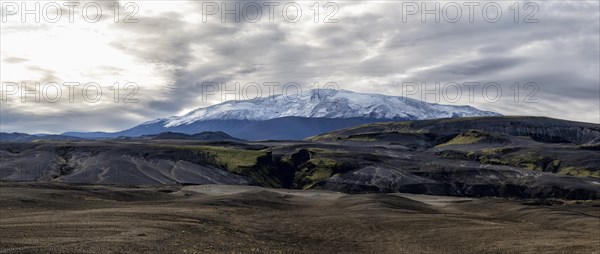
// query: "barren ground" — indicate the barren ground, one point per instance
point(67, 218)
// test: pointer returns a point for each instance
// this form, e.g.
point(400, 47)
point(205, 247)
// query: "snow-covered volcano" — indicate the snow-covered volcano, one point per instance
point(296, 117)
point(325, 104)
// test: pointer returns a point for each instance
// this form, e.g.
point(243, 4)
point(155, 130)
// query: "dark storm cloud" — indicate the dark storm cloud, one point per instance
point(480, 66)
point(161, 39)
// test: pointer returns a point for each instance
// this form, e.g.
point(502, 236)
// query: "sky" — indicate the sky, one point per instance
point(138, 61)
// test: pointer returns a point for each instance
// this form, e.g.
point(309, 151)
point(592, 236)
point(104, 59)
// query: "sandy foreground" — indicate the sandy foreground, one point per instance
point(66, 218)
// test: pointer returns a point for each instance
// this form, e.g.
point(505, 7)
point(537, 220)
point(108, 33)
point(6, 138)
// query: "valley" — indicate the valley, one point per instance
point(474, 157)
point(461, 185)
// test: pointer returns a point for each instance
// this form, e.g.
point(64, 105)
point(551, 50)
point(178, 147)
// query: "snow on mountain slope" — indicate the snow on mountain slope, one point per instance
point(324, 104)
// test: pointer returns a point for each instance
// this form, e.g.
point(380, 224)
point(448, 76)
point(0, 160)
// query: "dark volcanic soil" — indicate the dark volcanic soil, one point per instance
point(67, 218)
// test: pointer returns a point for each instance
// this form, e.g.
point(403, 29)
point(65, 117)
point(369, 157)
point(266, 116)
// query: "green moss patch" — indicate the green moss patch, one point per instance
point(474, 137)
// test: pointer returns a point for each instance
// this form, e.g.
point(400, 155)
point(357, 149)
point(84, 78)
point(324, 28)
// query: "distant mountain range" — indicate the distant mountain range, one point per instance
point(280, 117)
point(24, 137)
point(203, 136)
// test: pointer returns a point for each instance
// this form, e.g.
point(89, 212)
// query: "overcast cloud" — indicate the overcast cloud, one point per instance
point(170, 52)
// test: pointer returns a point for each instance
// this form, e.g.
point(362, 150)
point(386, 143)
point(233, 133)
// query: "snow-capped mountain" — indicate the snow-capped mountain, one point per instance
point(295, 117)
point(324, 104)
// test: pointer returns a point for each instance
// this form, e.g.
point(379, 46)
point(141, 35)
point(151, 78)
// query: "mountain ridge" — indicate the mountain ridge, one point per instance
point(543, 128)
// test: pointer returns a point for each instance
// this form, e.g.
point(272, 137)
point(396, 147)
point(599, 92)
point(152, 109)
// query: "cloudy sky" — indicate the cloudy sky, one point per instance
point(163, 52)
